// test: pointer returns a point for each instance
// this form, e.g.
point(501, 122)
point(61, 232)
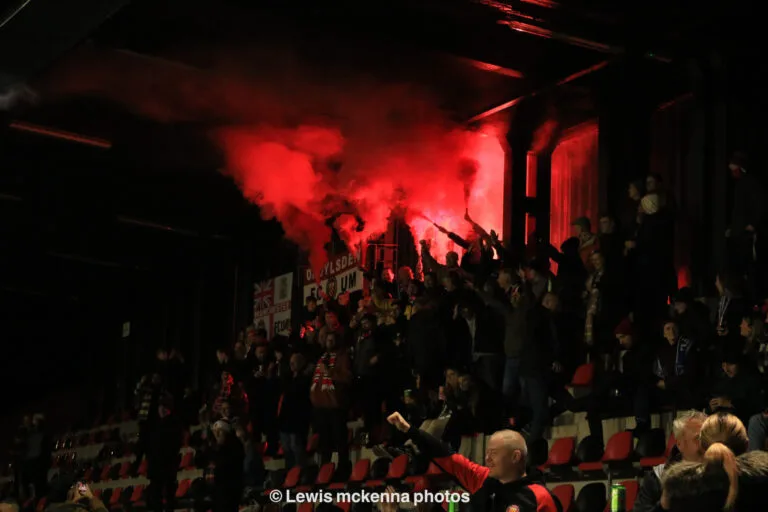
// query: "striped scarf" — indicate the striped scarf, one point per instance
point(326, 383)
point(682, 348)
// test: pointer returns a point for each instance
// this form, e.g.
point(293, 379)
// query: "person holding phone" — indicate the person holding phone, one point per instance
point(79, 498)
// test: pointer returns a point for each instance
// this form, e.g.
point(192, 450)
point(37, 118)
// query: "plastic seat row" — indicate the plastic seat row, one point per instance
point(114, 499)
point(593, 497)
point(120, 498)
point(590, 459)
point(380, 473)
point(89, 438)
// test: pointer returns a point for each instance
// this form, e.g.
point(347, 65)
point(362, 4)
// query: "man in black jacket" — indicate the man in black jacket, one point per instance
point(426, 343)
point(502, 485)
point(479, 342)
point(686, 428)
point(295, 412)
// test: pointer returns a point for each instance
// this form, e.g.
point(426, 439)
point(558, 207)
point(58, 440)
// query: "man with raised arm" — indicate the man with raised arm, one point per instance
point(501, 485)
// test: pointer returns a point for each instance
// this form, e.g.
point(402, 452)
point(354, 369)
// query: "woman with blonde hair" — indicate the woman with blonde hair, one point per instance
point(726, 429)
point(726, 479)
point(710, 485)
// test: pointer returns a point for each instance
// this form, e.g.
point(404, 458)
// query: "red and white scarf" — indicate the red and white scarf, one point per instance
point(326, 383)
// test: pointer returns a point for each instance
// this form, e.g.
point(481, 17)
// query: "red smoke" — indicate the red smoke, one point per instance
point(304, 149)
point(427, 176)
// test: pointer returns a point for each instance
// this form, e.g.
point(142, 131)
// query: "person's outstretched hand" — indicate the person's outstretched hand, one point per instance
point(396, 419)
point(389, 506)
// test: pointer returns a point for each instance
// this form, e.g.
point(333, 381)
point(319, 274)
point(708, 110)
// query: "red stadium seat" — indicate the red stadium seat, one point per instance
point(186, 436)
point(125, 469)
point(104, 476)
point(421, 484)
point(41, 504)
point(360, 471)
point(561, 453)
point(143, 467)
point(583, 376)
point(305, 507)
point(115, 498)
point(313, 443)
point(565, 493)
point(619, 447)
point(397, 468)
point(325, 474)
point(396, 471)
point(183, 488)
point(649, 462)
point(187, 461)
point(292, 477)
point(137, 493)
point(632, 488)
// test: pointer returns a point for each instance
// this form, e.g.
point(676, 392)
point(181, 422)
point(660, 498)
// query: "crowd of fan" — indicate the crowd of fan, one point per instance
point(484, 342)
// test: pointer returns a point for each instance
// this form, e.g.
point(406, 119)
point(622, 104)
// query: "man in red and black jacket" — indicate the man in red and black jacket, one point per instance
point(501, 485)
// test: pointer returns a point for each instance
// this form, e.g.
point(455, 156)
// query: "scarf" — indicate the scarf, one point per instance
point(722, 310)
point(682, 348)
point(593, 305)
point(325, 381)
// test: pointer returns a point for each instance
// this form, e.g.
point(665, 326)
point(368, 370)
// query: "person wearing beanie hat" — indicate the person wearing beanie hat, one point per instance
point(623, 329)
point(624, 386)
point(636, 372)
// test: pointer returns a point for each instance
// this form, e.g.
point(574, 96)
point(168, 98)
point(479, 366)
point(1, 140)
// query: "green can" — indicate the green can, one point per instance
point(618, 498)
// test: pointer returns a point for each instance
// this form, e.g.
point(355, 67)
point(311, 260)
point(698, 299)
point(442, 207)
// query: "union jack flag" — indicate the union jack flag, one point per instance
point(263, 295)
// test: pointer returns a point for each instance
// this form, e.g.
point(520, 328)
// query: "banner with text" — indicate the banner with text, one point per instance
point(341, 274)
point(272, 305)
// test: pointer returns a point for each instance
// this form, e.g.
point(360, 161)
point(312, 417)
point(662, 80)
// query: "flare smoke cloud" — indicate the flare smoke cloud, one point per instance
point(305, 147)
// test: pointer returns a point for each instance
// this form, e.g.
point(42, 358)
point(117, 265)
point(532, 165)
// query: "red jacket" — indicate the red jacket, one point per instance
point(488, 494)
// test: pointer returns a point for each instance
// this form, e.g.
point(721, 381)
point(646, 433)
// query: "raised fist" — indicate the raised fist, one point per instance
point(396, 419)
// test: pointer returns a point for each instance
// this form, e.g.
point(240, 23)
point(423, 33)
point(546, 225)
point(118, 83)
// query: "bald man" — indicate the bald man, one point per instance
point(501, 485)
